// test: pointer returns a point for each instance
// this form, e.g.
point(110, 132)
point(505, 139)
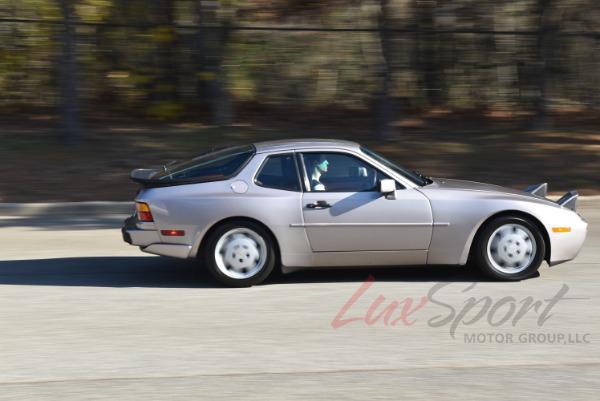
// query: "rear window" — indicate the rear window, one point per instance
point(213, 166)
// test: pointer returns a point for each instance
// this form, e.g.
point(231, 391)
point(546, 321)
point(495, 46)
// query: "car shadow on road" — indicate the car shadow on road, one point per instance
point(160, 272)
point(137, 271)
point(383, 274)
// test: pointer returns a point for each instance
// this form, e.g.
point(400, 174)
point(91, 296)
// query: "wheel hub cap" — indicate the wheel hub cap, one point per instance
point(511, 248)
point(240, 253)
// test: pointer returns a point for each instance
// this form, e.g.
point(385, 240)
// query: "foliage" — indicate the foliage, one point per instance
point(169, 58)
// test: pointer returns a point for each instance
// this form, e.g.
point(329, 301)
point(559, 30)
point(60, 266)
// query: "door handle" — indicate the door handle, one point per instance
point(318, 205)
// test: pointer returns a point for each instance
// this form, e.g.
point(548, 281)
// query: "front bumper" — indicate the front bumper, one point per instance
point(149, 240)
point(566, 246)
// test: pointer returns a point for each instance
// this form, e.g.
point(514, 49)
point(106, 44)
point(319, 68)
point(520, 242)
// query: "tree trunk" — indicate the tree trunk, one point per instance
point(385, 103)
point(71, 122)
point(166, 86)
point(543, 46)
point(426, 56)
point(212, 85)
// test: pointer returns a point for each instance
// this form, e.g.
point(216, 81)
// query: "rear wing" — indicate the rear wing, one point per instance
point(142, 174)
point(568, 200)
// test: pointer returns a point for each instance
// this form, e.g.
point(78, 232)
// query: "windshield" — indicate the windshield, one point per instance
point(212, 166)
point(411, 175)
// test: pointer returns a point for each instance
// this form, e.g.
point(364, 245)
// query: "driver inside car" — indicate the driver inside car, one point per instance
point(319, 168)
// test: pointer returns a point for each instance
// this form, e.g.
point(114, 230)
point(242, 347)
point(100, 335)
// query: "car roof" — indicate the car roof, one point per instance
point(290, 144)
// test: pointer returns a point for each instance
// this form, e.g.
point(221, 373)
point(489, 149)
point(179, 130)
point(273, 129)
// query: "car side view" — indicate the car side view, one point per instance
point(244, 211)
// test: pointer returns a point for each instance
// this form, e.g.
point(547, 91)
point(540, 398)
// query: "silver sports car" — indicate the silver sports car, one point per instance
point(247, 210)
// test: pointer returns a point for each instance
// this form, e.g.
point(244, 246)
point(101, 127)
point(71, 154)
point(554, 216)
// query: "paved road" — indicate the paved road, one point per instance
point(83, 316)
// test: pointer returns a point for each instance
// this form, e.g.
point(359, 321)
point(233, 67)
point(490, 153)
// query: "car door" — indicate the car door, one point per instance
point(343, 209)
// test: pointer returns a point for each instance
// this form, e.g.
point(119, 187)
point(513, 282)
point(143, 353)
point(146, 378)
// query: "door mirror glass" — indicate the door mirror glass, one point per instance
point(387, 186)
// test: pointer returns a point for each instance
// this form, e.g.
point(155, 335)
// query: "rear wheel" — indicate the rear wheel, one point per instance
point(509, 248)
point(240, 254)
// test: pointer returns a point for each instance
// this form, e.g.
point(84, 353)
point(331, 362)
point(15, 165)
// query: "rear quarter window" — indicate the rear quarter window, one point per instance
point(279, 172)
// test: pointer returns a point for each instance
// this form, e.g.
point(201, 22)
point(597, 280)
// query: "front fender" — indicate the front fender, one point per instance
point(464, 212)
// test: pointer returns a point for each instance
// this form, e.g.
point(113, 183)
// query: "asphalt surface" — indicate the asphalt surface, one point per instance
point(85, 316)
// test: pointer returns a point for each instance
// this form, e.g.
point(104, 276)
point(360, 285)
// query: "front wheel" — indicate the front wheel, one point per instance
point(240, 254)
point(509, 248)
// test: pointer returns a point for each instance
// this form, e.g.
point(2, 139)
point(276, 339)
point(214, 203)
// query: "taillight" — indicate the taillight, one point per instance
point(143, 212)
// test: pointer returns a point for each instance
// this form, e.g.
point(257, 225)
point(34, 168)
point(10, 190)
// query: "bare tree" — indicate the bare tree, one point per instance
point(68, 78)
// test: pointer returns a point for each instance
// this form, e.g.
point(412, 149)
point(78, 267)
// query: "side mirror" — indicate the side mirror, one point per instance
point(388, 188)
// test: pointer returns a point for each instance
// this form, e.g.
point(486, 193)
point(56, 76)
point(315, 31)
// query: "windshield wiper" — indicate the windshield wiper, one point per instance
point(424, 178)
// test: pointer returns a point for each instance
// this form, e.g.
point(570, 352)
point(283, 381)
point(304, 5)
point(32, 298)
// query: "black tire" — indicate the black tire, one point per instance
point(209, 258)
point(481, 256)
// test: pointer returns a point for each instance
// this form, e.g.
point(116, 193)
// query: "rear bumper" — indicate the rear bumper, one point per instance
point(136, 236)
point(149, 241)
point(126, 236)
point(172, 250)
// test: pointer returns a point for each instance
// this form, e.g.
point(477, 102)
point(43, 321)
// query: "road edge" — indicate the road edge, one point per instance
point(65, 208)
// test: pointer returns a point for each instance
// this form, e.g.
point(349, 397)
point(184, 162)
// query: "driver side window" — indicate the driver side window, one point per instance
point(340, 172)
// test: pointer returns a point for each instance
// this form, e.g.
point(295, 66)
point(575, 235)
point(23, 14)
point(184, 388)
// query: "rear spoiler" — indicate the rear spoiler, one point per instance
point(568, 200)
point(142, 174)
